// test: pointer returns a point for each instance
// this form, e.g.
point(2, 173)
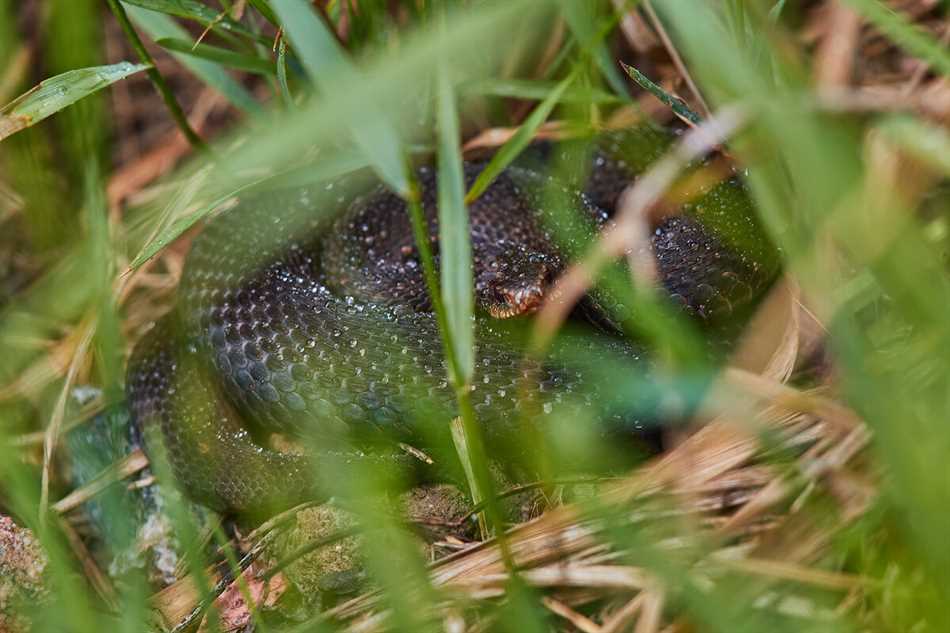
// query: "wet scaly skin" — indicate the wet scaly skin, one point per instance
point(285, 322)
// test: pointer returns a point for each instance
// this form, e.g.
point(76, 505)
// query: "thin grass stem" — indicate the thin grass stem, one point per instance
point(170, 102)
point(462, 391)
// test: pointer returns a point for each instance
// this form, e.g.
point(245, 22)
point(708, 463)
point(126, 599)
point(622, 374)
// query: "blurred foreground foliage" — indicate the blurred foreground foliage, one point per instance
point(850, 185)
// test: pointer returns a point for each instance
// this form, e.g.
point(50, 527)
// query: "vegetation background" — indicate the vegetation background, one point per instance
point(816, 495)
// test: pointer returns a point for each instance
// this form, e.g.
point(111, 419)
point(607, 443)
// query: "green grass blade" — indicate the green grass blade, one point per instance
point(169, 235)
point(61, 91)
point(159, 26)
point(73, 40)
point(264, 9)
point(328, 66)
point(286, 96)
point(329, 118)
point(581, 19)
point(219, 55)
point(156, 77)
point(316, 46)
point(462, 448)
point(342, 163)
point(675, 103)
point(454, 235)
point(537, 90)
point(905, 34)
point(510, 150)
point(193, 10)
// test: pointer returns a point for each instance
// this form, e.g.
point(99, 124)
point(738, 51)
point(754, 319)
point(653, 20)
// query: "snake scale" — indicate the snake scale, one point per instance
point(305, 312)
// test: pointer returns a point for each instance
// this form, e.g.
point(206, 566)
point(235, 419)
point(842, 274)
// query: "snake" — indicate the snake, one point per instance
point(304, 312)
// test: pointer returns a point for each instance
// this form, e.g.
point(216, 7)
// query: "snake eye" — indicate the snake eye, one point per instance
point(516, 293)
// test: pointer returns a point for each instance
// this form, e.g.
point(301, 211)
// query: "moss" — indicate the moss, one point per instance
point(327, 571)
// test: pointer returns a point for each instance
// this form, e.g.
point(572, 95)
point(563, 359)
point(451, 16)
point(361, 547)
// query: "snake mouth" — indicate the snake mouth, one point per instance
point(517, 302)
point(520, 296)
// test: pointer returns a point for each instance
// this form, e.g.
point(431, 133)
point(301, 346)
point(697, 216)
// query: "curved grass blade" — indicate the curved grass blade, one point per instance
point(192, 10)
point(510, 150)
point(342, 163)
point(159, 26)
point(330, 118)
point(328, 67)
point(52, 95)
point(905, 34)
point(455, 246)
point(218, 55)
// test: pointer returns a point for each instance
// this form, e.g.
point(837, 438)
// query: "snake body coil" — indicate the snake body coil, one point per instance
point(287, 323)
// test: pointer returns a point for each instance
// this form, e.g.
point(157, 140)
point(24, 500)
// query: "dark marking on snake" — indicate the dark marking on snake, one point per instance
point(304, 312)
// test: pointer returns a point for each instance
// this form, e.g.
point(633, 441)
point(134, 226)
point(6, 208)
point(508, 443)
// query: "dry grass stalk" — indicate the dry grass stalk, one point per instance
point(54, 427)
point(634, 29)
point(712, 476)
point(789, 571)
point(625, 616)
point(545, 547)
point(44, 370)
point(564, 550)
point(99, 581)
point(36, 438)
point(676, 58)
point(580, 622)
point(650, 612)
point(161, 159)
point(126, 467)
point(621, 236)
point(834, 60)
point(498, 136)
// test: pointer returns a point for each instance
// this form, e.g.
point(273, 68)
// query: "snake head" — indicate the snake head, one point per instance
point(516, 285)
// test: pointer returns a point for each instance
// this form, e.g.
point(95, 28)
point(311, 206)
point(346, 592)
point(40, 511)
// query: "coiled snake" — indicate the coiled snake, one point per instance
point(289, 322)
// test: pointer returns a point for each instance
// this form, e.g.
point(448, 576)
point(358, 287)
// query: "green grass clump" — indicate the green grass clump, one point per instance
point(853, 196)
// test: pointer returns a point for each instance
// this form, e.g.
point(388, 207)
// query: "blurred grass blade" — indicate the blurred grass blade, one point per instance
point(219, 55)
point(264, 9)
point(329, 68)
point(455, 246)
point(286, 96)
point(905, 34)
point(193, 10)
point(61, 91)
point(536, 89)
point(927, 143)
point(675, 103)
point(460, 439)
point(343, 105)
point(315, 44)
point(342, 163)
point(775, 13)
point(510, 150)
point(580, 17)
point(156, 77)
point(159, 26)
